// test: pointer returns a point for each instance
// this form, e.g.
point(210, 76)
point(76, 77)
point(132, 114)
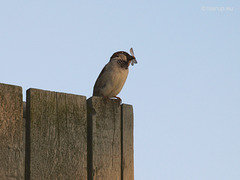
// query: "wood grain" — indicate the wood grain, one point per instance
point(104, 139)
point(11, 133)
point(57, 129)
point(127, 142)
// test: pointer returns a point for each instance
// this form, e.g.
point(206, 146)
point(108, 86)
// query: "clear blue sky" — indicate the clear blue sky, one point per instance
point(185, 88)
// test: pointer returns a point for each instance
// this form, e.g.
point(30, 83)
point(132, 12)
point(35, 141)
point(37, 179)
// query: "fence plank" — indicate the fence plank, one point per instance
point(11, 133)
point(127, 142)
point(104, 139)
point(57, 125)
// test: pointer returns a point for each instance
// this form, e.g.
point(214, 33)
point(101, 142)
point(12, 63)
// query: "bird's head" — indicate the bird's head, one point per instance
point(124, 56)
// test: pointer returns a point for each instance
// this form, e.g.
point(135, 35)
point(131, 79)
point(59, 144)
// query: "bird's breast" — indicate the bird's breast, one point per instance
point(118, 80)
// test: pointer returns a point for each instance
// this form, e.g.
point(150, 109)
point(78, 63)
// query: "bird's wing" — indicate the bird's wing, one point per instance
point(100, 82)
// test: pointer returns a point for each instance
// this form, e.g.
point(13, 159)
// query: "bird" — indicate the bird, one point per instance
point(114, 74)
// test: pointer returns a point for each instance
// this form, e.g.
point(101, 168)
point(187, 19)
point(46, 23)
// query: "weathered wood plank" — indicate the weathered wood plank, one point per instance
point(104, 139)
point(57, 125)
point(127, 142)
point(11, 133)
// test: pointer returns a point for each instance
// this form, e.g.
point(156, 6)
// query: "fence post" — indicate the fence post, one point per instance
point(127, 142)
point(11, 133)
point(104, 139)
point(57, 136)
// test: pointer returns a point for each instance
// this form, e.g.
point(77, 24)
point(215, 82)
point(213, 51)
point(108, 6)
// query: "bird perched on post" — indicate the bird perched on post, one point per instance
point(114, 74)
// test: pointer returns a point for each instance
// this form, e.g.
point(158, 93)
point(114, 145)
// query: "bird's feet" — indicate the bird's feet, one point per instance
point(119, 100)
point(106, 98)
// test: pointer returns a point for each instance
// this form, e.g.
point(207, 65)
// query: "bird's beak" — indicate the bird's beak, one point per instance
point(133, 61)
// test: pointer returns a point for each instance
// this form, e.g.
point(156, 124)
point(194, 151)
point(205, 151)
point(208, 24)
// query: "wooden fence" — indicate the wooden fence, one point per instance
point(64, 136)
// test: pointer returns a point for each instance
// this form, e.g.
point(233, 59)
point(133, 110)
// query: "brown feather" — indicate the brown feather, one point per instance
point(97, 83)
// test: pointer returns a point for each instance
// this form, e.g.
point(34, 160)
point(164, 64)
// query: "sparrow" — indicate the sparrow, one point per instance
point(114, 74)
